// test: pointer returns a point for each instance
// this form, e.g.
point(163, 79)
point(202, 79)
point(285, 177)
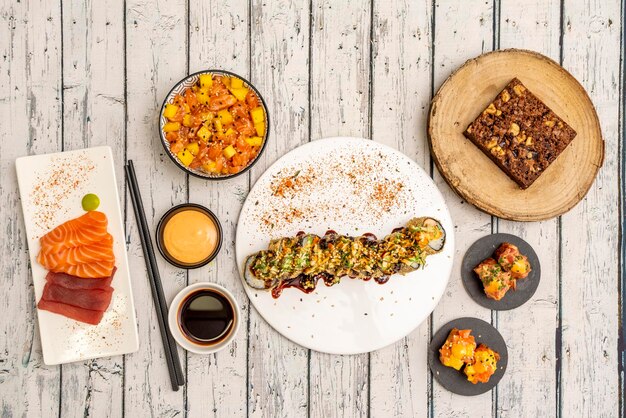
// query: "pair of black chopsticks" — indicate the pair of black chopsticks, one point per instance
point(171, 354)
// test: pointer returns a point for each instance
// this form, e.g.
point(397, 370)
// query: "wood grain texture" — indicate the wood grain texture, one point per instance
point(340, 106)
point(93, 73)
point(462, 31)
point(30, 99)
point(589, 265)
point(93, 96)
point(474, 176)
point(210, 23)
point(401, 86)
point(278, 383)
point(532, 26)
point(156, 58)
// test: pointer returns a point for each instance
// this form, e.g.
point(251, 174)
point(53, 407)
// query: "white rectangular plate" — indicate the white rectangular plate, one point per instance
point(51, 189)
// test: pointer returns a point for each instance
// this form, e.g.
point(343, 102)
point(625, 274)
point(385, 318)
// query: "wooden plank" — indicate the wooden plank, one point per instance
point(30, 99)
point(156, 36)
point(401, 88)
point(589, 270)
point(93, 94)
point(340, 106)
point(277, 368)
point(218, 38)
point(463, 30)
point(536, 27)
point(31, 92)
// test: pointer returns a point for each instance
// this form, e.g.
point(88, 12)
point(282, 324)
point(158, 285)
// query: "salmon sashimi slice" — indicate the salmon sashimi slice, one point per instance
point(97, 251)
point(93, 270)
point(73, 282)
point(88, 228)
point(93, 299)
point(73, 312)
point(85, 236)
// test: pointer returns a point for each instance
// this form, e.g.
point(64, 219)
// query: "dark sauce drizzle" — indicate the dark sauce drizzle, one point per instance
point(307, 284)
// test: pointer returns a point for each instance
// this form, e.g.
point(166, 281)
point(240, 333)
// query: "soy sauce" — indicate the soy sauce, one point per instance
point(206, 317)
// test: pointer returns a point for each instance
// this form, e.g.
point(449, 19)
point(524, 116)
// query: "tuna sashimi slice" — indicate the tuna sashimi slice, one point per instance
point(88, 228)
point(93, 299)
point(93, 270)
point(73, 312)
point(97, 251)
point(73, 282)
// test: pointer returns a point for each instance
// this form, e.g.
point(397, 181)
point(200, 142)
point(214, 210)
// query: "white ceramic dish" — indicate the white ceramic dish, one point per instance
point(352, 186)
point(51, 189)
point(175, 325)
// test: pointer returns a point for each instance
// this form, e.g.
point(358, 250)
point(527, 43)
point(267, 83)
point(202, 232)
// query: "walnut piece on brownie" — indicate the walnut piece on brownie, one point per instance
point(520, 133)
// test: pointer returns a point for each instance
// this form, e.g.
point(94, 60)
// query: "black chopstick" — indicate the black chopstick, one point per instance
point(171, 353)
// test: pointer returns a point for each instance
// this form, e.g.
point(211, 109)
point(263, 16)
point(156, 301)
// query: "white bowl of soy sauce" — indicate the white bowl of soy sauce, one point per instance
point(204, 318)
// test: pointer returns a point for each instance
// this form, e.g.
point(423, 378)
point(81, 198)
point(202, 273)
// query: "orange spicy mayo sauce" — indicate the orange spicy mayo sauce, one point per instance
point(190, 236)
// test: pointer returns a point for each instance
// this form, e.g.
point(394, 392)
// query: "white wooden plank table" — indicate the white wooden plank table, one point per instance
point(75, 74)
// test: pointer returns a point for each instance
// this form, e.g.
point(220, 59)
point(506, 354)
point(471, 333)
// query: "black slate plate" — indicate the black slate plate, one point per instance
point(455, 380)
point(485, 248)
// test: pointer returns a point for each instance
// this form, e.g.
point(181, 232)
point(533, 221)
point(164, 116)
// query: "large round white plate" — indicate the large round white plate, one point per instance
point(352, 186)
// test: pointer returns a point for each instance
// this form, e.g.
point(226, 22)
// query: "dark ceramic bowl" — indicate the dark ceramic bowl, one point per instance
point(180, 87)
point(161, 227)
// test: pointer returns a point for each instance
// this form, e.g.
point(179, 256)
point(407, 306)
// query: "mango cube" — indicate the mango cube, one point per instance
point(240, 93)
point(206, 116)
point(229, 152)
point(210, 166)
point(236, 83)
point(185, 157)
point(206, 81)
point(171, 127)
point(187, 121)
point(170, 111)
point(257, 115)
point(193, 148)
point(203, 97)
point(203, 133)
point(225, 117)
point(260, 128)
point(254, 141)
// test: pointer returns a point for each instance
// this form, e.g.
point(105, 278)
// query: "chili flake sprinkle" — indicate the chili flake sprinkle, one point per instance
point(52, 188)
point(361, 181)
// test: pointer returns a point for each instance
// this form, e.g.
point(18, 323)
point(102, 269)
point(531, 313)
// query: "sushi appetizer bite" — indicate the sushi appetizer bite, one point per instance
point(216, 126)
point(78, 255)
point(512, 261)
point(495, 280)
point(483, 366)
point(459, 350)
point(499, 276)
point(302, 260)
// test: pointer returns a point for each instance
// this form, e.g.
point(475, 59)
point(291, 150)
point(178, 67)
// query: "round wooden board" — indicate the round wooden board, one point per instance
point(468, 91)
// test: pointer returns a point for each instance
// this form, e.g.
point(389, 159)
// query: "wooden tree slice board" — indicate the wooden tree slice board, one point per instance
point(474, 176)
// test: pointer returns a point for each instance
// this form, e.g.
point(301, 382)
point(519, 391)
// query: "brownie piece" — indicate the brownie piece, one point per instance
point(520, 133)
